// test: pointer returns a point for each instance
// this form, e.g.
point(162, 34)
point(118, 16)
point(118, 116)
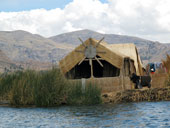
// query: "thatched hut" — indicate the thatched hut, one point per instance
point(107, 65)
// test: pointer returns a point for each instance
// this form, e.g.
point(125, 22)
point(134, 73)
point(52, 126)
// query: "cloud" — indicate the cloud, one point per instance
point(148, 19)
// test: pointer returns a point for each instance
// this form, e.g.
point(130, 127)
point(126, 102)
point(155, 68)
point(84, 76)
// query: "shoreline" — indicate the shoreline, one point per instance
point(4, 103)
point(137, 95)
point(127, 96)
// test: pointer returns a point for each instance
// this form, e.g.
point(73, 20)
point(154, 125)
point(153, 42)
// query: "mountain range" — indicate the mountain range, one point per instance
point(29, 49)
point(5, 62)
point(150, 51)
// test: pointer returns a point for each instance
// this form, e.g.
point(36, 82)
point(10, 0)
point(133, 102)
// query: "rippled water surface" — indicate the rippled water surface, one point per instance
point(144, 114)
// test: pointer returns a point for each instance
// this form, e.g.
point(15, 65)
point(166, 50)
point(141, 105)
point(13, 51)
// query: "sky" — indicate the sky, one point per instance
point(148, 19)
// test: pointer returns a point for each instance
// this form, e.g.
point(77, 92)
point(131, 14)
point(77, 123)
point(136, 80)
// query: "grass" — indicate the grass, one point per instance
point(167, 82)
point(50, 89)
point(6, 82)
point(166, 64)
point(90, 96)
point(22, 91)
point(45, 89)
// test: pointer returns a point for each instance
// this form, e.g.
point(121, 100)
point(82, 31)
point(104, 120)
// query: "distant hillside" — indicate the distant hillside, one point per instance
point(5, 62)
point(24, 46)
point(35, 51)
point(149, 51)
point(72, 38)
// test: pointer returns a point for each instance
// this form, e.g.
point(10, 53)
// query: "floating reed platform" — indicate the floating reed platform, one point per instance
point(138, 95)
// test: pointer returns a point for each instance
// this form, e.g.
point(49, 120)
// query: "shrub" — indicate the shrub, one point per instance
point(6, 82)
point(45, 89)
point(50, 89)
point(91, 95)
point(22, 88)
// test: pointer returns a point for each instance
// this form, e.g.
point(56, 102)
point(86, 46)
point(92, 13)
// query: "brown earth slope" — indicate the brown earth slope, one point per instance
point(26, 47)
point(149, 51)
point(5, 62)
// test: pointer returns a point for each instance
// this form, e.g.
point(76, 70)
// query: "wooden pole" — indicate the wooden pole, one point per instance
point(91, 65)
point(122, 76)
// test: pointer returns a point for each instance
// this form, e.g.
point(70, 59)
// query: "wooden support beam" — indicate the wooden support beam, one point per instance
point(91, 65)
point(82, 42)
point(99, 61)
point(93, 59)
point(81, 60)
point(122, 76)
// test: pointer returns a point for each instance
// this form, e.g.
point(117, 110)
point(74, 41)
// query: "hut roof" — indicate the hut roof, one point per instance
point(114, 54)
point(128, 50)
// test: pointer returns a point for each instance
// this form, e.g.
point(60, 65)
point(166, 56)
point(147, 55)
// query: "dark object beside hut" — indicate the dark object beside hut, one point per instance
point(141, 81)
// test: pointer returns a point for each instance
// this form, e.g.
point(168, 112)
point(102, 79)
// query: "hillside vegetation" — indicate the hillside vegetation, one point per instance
point(150, 51)
point(26, 47)
point(6, 63)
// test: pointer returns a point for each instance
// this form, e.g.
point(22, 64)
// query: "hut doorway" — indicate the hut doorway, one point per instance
point(84, 70)
point(107, 70)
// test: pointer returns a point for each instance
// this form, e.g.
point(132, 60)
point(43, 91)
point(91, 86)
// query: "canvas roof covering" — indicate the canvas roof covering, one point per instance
point(112, 54)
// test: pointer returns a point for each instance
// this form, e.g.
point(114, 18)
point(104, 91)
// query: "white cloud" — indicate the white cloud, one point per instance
point(148, 19)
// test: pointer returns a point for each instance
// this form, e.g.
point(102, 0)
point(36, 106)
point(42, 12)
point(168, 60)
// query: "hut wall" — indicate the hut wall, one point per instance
point(128, 84)
point(109, 84)
point(158, 80)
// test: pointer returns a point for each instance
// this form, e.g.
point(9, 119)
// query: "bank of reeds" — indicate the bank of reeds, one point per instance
point(90, 95)
point(6, 82)
point(167, 82)
point(166, 63)
point(45, 89)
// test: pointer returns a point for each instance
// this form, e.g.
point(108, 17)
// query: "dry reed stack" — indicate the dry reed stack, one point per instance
point(154, 94)
point(166, 63)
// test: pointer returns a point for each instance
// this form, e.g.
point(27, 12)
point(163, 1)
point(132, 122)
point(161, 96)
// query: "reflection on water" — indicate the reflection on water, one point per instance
point(144, 114)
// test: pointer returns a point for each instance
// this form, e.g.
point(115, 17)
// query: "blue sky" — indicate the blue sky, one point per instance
point(26, 5)
point(148, 19)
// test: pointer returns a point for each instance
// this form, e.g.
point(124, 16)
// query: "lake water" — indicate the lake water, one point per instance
point(130, 115)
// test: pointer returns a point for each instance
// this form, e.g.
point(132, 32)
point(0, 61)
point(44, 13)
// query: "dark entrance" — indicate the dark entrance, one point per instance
point(84, 70)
